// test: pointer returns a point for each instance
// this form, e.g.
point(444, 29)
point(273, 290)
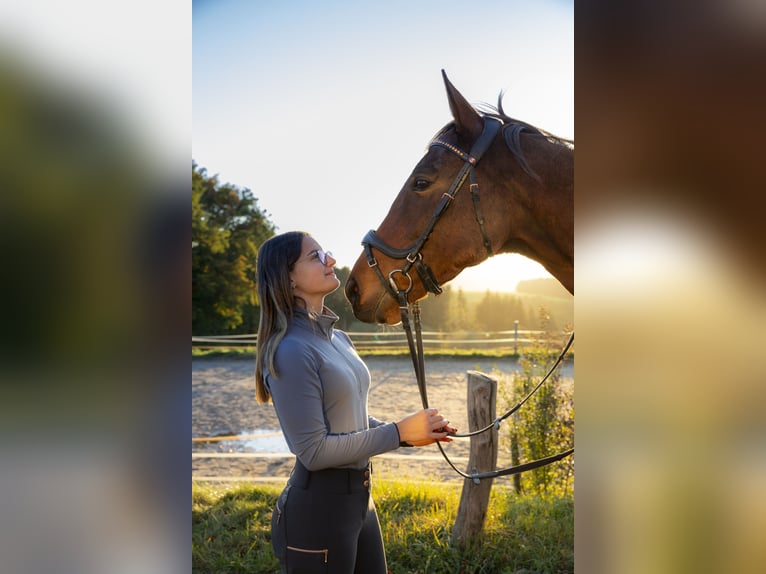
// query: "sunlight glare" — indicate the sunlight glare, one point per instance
point(500, 273)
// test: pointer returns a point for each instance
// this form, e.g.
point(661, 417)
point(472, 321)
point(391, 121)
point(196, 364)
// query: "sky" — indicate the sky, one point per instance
point(322, 109)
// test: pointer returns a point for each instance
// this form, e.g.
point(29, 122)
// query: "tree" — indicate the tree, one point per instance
point(497, 312)
point(227, 229)
point(338, 303)
point(460, 319)
point(436, 310)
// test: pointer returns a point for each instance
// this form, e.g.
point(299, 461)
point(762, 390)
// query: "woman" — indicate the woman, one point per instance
point(325, 518)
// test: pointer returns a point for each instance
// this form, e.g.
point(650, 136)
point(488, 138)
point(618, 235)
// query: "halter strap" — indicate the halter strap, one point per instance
point(412, 254)
point(478, 149)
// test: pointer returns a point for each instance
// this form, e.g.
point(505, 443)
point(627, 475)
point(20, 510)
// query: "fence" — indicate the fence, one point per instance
point(511, 340)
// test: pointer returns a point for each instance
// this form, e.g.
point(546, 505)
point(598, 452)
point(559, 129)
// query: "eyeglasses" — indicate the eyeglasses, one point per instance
point(323, 255)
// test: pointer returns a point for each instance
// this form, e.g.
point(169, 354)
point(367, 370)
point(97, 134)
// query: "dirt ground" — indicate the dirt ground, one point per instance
point(223, 404)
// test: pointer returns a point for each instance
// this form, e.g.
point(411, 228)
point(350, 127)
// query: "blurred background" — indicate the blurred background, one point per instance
point(669, 300)
point(95, 124)
point(95, 112)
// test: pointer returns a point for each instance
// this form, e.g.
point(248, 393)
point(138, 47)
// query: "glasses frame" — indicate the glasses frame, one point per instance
point(322, 256)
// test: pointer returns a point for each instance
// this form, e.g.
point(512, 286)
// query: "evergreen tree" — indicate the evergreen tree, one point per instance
point(485, 311)
point(460, 318)
point(436, 310)
point(499, 311)
point(339, 304)
point(516, 311)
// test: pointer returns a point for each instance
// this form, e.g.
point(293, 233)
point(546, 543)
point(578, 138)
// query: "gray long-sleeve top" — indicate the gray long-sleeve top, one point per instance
point(320, 397)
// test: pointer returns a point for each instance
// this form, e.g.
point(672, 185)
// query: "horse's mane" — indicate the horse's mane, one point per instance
point(513, 128)
point(518, 126)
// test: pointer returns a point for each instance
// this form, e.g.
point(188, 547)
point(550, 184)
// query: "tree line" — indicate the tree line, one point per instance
point(228, 228)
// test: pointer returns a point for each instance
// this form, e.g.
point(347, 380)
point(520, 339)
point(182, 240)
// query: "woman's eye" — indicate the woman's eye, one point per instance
point(420, 184)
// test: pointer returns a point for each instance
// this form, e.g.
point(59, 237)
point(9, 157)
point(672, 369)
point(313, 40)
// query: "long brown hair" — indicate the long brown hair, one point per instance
point(276, 259)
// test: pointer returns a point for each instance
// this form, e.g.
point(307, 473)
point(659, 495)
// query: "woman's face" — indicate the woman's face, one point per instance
point(311, 278)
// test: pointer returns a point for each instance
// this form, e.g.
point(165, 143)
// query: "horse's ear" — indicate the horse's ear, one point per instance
point(468, 122)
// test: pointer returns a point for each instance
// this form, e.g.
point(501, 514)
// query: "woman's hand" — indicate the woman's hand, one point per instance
point(424, 427)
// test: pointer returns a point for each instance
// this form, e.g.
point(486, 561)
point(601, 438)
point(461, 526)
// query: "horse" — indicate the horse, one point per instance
point(518, 198)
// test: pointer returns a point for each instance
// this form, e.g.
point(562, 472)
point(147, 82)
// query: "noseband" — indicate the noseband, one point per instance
point(413, 254)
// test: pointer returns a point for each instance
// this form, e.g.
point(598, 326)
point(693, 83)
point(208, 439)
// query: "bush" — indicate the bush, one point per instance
point(544, 425)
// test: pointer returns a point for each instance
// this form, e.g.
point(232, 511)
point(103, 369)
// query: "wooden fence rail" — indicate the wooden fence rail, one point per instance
point(367, 341)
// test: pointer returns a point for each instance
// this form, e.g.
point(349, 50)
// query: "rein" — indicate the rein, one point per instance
point(413, 257)
point(418, 363)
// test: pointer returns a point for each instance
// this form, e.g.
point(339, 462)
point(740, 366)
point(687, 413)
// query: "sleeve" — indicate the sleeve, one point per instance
point(373, 422)
point(297, 396)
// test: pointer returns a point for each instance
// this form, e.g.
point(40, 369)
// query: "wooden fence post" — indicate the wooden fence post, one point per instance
point(474, 501)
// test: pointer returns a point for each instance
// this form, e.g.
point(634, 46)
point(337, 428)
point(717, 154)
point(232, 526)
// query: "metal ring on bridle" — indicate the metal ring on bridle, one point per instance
point(413, 253)
point(395, 285)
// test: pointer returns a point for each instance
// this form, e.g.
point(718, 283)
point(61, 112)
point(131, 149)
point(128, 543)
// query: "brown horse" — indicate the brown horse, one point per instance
point(517, 197)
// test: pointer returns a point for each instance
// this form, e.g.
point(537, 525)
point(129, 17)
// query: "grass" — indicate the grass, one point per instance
point(225, 352)
point(522, 534)
point(231, 529)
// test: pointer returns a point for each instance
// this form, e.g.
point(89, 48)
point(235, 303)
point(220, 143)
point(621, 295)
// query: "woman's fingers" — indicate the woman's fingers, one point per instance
point(424, 427)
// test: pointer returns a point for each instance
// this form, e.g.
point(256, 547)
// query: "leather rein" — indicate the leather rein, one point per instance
point(413, 257)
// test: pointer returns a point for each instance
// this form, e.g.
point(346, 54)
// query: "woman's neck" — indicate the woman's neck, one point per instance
point(312, 307)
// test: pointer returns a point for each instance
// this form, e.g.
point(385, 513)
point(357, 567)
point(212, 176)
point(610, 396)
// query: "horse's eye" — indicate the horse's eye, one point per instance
point(421, 184)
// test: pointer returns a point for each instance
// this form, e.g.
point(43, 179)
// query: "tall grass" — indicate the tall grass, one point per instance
point(530, 534)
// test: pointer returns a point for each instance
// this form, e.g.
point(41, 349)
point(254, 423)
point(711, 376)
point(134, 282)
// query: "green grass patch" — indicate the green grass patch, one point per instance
point(223, 352)
point(231, 530)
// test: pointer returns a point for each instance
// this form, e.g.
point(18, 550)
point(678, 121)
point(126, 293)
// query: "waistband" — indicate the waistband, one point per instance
point(331, 480)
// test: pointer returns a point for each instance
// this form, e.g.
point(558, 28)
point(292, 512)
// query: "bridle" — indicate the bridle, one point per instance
point(414, 257)
point(413, 254)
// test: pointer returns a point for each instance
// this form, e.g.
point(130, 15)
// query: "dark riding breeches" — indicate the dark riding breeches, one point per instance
point(325, 521)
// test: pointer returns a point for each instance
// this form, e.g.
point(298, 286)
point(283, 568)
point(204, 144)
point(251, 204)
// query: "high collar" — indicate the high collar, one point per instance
point(324, 322)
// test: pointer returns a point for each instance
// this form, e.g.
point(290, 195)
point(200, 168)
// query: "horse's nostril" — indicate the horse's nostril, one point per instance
point(352, 290)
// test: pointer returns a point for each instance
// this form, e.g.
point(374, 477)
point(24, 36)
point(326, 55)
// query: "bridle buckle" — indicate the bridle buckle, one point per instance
point(413, 254)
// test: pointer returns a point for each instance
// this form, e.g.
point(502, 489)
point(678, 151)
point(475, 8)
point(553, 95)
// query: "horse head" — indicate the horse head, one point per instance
point(487, 184)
